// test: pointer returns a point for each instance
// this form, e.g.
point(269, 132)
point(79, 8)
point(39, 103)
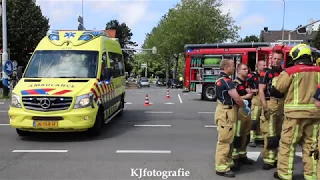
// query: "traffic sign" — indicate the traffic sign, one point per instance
point(8, 67)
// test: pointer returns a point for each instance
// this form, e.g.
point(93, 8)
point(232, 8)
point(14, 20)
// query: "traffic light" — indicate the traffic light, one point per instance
point(80, 26)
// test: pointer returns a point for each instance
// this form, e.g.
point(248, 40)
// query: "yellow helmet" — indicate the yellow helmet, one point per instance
point(299, 50)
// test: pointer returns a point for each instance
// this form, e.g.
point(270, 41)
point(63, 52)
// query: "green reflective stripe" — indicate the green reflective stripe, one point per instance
point(221, 168)
point(314, 162)
point(300, 106)
point(268, 161)
point(242, 153)
point(293, 150)
point(271, 126)
point(252, 136)
point(285, 176)
point(296, 89)
point(255, 112)
point(238, 127)
point(234, 130)
point(307, 177)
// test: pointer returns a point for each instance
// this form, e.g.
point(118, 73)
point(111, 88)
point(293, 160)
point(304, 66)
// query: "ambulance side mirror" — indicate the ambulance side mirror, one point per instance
point(19, 72)
point(107, 74)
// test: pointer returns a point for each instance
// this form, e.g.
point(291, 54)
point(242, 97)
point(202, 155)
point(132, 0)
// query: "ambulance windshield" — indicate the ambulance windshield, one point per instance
point(63, 64)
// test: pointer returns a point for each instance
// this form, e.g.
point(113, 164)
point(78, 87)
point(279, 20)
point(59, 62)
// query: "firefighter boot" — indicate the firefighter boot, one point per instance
point(237, 165)
point(229, 174)
point(246, 160)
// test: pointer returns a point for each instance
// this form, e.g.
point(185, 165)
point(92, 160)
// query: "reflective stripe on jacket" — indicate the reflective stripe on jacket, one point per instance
point(299, 83)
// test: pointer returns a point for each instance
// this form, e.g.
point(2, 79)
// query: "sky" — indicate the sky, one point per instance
point(142, 15)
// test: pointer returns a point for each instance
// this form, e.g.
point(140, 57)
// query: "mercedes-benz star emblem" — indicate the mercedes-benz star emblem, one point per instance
point(45, 103)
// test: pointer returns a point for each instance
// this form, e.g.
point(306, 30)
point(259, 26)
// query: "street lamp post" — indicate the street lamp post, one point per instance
point(4, 48)
point(284, 10)
point(82, 13)
point(289, 35)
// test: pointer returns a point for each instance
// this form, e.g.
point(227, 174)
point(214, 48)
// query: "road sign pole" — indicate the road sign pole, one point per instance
point(5, 48)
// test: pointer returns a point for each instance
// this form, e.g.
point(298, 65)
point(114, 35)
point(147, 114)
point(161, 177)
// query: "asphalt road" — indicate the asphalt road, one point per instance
point(171, 134)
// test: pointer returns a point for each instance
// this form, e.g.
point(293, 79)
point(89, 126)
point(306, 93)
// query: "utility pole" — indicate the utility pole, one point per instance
point(284, 11)
point(4, 49)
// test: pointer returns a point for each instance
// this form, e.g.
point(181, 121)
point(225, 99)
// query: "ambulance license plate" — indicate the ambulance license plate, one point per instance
point(45, 124)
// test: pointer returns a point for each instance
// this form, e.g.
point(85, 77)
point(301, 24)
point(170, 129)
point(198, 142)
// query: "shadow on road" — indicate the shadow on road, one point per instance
point(116, 127)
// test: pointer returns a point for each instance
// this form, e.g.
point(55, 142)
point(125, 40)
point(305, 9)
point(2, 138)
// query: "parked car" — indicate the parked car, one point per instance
point(161, 82)
point(144, 82)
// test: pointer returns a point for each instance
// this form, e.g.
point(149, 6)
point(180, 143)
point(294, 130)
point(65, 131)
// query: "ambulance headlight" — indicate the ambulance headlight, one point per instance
point(84, 101)
point(15, 101)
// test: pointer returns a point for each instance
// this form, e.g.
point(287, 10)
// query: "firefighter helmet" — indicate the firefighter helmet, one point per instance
point(299, 50)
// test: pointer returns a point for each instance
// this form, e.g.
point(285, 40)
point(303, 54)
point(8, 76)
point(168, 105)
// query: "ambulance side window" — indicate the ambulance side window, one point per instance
point(116, 64)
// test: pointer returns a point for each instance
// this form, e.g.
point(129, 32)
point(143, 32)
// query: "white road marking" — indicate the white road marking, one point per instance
point(180, 98)
point(128, 103)
point(4, 111)
point(152, 125)
point(1, 102)
point(169, 103)
point(144, 151)
point(50, 151)
point(157, 112)
point(4, 124)
point(206, 112)
point(253, 155)
point(210, 126)
point(299, 154)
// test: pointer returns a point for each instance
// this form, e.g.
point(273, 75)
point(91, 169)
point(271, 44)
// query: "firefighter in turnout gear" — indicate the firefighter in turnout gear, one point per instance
point(225, 118)
point(302, 118)
point(243, 124)
point(272, 105)
point(256, 136)
point(316, 148)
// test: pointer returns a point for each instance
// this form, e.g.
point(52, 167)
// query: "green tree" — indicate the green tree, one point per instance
point(26, 26)
point(316, 39)
point(190, 22)
point(251, 38)
point(124, 35)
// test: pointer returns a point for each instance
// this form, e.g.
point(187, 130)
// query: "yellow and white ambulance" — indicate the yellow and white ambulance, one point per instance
point(74, 81)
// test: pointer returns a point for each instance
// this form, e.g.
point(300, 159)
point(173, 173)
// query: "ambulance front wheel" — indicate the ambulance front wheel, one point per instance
point(98, 124)
point(209, 92)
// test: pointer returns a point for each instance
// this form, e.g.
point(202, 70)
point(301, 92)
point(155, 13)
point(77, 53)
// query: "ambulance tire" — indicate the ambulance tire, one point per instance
point(22, 133)
point(98, 124)
point(206, 95)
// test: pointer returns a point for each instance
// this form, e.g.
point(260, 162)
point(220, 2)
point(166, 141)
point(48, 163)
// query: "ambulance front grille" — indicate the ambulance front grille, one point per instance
point(46, 104)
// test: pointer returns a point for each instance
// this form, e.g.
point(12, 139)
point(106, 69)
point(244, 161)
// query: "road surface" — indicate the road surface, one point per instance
point(176, 134)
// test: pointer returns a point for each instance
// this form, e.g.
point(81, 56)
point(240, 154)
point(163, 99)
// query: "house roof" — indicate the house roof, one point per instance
point(273, 36)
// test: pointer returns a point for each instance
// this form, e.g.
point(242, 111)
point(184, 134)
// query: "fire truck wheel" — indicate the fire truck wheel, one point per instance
point(209, 92)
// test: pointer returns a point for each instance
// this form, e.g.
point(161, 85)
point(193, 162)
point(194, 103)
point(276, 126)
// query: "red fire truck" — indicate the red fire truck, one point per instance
point(202, 62)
